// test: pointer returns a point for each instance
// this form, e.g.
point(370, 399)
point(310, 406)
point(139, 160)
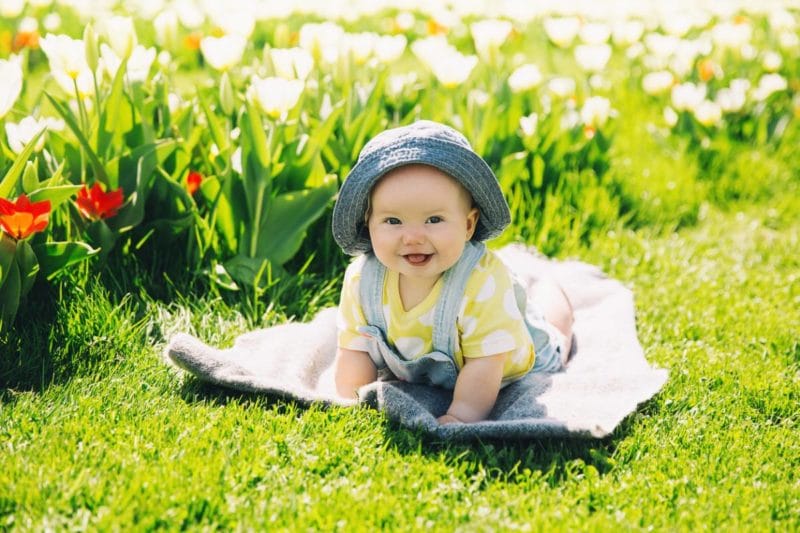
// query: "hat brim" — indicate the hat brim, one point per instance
point(467, 167)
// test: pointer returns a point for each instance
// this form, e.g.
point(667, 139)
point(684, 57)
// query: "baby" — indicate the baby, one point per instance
point(425, 300)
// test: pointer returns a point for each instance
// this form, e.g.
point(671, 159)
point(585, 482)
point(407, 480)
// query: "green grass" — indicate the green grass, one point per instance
point(124, 441)
point(98, 433)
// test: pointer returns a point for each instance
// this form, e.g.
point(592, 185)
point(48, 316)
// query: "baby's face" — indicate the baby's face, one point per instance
point(420, 220)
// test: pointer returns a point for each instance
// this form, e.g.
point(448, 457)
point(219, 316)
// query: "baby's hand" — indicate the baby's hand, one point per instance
point(448, 419)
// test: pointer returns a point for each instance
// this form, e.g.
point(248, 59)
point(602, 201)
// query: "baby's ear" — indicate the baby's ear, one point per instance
point(472, 221)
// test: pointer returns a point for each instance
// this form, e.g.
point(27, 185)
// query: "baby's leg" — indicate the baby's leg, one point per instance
point(554, 304)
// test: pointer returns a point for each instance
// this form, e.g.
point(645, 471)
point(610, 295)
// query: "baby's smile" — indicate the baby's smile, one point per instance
point(418, 259)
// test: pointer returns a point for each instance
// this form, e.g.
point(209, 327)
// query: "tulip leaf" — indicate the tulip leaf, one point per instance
point(69, 118)
point(56, 256)
point(9, 296)
point(57, 194)
point(10, 179)
point(8, 249)
point(215, 127)
point(288, 217)
point(28, 266)
point(251, 271)
point(319, 138)
point(257, 137)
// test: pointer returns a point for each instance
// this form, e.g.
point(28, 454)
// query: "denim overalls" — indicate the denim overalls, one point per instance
point(439, 367)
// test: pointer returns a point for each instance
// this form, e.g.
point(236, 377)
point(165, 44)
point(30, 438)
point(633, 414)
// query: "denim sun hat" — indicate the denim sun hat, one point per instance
point(425, 142)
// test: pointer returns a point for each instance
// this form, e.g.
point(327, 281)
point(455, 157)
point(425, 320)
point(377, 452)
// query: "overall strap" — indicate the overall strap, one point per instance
point(370, 290)
point(454, 283)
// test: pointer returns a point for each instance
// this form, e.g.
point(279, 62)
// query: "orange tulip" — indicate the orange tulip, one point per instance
point(193, 181)
point(95, 203)
point(23, 217)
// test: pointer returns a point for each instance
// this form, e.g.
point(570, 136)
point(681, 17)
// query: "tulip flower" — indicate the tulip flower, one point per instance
point(223, 53)
point(389, 48)
point(562, 30)
point(489, 35)
point(19, 135)
point(27, 35)
point(592, 57)
point(193, 180)
point(708, 113)
point(291, 63)
point(139, 63)
point(275, 96)
point(323, 40)
point(95, 203)
point(687, 96)
point(22, 218)
point(121, 35)
point(10, 84)
point(524, 78)
point(594, 33)
point(595, 112)
point(67, 57)
point(657, 82)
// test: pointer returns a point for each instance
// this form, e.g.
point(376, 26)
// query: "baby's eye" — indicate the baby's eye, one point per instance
point(434, 219)
point(392, 221)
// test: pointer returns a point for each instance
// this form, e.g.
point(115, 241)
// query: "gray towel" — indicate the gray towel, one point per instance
point(605, 380)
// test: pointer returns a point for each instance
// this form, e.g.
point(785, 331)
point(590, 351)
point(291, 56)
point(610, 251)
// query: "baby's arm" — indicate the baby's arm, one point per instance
point(353, 369)
point(476, 389)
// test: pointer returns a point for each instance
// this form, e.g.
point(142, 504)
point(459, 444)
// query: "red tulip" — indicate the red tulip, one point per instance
point(22, 218)
point(193, 181)
point(95, 203)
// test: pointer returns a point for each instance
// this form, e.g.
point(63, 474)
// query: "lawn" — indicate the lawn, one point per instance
point(701, 219)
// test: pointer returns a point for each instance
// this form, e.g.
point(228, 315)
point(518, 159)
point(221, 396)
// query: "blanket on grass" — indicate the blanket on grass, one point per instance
point(606, 379)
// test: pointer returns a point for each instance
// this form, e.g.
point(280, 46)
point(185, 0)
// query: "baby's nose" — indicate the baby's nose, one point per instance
point(413, 235)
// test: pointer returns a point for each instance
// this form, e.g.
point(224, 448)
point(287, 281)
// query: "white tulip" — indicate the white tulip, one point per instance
point(708, 113)
point(449, 66)
point(768, 84)
point(771, 61)
point(562, 30)
point(592, 57)
point(781, 20)
point(275, 96)
point(389, 48)
point(732, 35)
point(360, 45)
point(529, 124)
point(65, 54)
point(223, 53)
point(68, 66)
point(19, 135)
point(657, 82)
point(167, 29)
point(121, 35)
point(627, 32)
point(454, 70)
point(323, 40)
point(291, 63)
point(594, 33)
point(595, 111)
point(677, 24)
point(191, 17)
point(788, 40)
point(139, 63)
point(562, 87)
point(687, 96)
point(240, 21)
point(10, 84)
point(489, 35)
point(729, 100)
point(524, 78)
point(51, 22)
point(11, 8)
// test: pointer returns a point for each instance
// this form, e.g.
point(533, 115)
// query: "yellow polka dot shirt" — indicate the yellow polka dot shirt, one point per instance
point(489, 321)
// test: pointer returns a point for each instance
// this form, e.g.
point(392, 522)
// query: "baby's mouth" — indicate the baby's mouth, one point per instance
point(418, 259)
